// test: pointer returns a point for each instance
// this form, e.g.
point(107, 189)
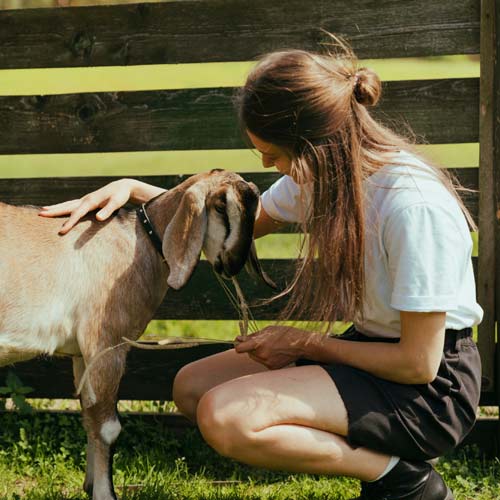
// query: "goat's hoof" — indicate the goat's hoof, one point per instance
point(88, 487)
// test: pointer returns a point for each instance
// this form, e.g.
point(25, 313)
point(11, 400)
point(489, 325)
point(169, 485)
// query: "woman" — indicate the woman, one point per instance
point(388, 248)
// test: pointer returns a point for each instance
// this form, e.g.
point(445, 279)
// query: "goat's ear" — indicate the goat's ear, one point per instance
point(183, 237)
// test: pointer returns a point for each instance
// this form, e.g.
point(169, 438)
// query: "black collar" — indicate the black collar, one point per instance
point(150, 230)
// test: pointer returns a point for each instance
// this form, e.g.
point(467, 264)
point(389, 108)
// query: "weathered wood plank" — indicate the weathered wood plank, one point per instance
point(236, 30)
point(46, 191)
point(438, 111)
point(149, 374)
point(491, 13)
point(489, 179)
point(203, 298)
point(485, 437)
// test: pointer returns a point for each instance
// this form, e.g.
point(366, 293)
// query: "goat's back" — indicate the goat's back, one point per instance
point(56, 290)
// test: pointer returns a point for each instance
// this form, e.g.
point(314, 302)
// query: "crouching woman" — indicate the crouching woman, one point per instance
point(389, 249)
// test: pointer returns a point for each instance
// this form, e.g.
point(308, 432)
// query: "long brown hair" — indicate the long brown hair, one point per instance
point(314, 106)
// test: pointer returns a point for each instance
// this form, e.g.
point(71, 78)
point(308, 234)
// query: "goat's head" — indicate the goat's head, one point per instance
point(216, 214)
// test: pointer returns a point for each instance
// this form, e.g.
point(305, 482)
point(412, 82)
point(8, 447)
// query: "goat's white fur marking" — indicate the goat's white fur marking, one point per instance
point(45, 327)
point(215, 243)
point(214, 238)
point(233, 214)
point(110, 430)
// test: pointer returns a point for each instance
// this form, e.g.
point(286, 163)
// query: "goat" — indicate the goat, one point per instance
point(78, 294)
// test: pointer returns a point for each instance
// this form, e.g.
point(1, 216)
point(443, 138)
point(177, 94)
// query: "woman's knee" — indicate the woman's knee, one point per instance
point(186, 391)
point(222, 428)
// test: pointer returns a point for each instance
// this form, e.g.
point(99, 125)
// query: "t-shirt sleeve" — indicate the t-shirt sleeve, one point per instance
point(285, 200)
point(427, 255)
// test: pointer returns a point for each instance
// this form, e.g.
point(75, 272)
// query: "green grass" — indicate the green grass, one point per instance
point(43, 458)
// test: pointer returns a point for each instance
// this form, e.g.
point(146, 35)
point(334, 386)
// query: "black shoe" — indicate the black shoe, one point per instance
point(407, 481)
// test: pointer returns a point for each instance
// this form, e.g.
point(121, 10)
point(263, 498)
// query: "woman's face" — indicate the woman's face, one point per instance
point(272, 155)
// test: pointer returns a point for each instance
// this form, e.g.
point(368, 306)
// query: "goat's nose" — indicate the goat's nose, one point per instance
point(221, 269)
point(218, 266)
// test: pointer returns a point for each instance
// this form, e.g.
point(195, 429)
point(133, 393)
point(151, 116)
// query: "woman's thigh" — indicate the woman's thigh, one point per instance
point(198, 377)
point(304, 395)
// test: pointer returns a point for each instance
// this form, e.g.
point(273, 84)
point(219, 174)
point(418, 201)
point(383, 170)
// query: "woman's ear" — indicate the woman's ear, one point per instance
point(183, 237)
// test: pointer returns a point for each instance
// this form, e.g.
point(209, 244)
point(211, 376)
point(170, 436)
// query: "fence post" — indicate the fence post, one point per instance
point(488, 190)
point(493, 10)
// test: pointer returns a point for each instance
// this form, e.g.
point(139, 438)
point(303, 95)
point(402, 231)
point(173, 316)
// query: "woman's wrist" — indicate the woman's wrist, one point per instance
point(140, 192)
point(313, 346)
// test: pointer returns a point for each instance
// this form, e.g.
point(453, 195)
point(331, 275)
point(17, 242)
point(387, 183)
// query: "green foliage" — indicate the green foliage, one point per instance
point(15, 390)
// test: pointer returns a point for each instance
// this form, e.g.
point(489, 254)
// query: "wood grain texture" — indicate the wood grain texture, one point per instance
point(236, 30)
point(438, 111)
point(149, 374)
point(46, 191)
point(488, 286)
point(203, 298)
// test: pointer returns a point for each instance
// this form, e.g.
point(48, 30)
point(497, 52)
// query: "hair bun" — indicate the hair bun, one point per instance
point(367, 87)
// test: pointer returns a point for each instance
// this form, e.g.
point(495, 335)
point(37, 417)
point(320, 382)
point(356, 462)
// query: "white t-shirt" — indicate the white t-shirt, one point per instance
point(417, 246)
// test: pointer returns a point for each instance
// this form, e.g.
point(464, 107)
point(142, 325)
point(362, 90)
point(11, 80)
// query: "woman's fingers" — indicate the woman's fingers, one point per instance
point(114, 202)
point(245, 345)
point(81, 211)
point(59, 209)
point(108, 199)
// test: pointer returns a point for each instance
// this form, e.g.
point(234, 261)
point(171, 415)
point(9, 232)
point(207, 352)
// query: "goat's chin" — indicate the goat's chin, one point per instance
point(218, 268)
point(225, 268)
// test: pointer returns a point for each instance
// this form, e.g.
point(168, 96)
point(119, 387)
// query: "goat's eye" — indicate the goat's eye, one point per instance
point(220, 208)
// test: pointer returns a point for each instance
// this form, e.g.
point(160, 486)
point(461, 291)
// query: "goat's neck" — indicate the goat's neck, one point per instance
point(162, 209)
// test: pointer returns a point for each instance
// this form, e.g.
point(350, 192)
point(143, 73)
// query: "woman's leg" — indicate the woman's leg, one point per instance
point(290, 419)
point(195, 379)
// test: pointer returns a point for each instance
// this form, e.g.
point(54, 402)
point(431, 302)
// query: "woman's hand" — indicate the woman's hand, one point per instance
point(109, 198)
point(276, 346)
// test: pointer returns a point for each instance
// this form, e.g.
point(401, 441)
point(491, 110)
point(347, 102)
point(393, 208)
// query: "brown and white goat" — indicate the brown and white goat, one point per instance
point(78, 294)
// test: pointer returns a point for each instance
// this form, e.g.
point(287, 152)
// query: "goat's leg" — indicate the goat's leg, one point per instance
point(87, 399)
point(105, 430)
point(102, 418)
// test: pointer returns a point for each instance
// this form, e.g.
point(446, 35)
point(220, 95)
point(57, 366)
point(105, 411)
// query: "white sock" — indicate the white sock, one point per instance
point(392, 463)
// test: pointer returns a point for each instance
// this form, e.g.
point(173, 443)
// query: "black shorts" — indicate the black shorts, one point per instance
point(415, 422)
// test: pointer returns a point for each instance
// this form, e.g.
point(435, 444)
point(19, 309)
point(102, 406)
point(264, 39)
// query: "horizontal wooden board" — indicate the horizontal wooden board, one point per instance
point(236, 30)
point(149, 374)
point(438, 111)
point(47, 191)
point(203, 297)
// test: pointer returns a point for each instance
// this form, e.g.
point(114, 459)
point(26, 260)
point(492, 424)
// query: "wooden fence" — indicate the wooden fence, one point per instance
point(440, 111)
